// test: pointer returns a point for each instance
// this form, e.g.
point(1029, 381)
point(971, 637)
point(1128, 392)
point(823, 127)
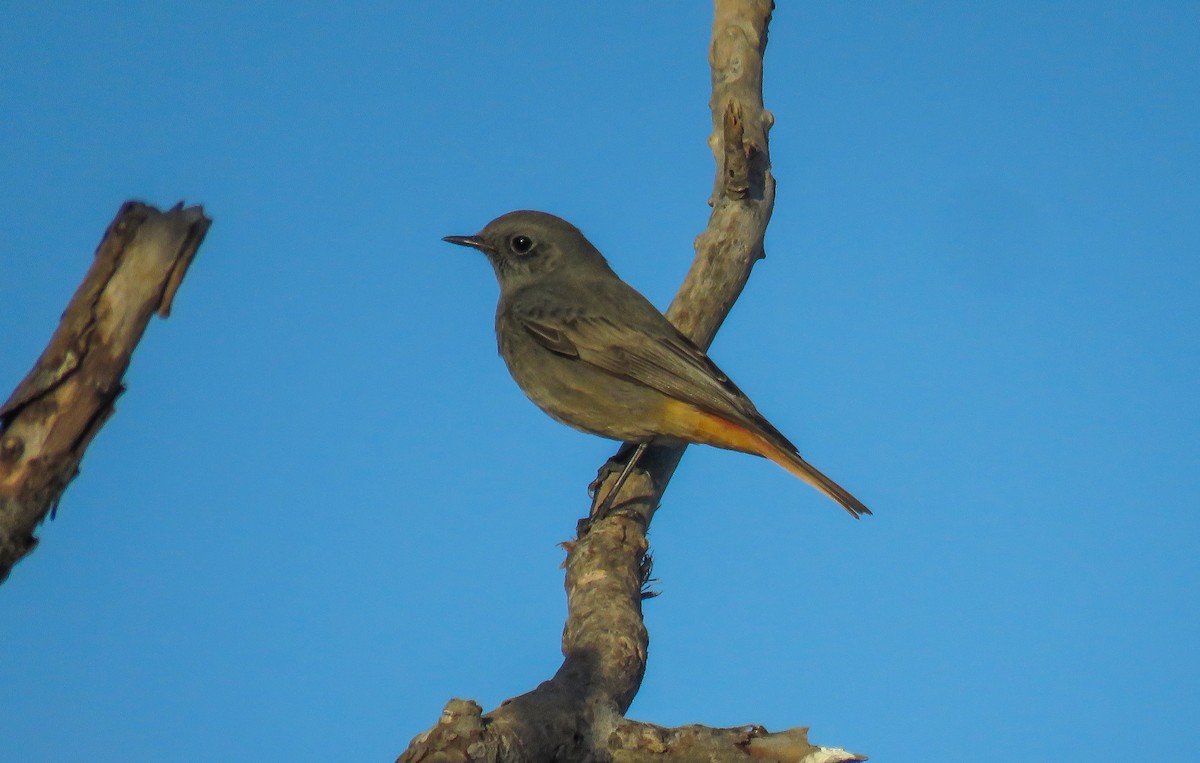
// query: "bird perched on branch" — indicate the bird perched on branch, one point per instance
point(595, 354)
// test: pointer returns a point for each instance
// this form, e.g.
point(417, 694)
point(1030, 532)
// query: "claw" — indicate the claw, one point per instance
point(610, 466)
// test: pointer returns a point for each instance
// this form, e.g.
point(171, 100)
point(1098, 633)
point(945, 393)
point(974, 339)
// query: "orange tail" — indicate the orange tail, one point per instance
point(711, 429)
point(810, 474)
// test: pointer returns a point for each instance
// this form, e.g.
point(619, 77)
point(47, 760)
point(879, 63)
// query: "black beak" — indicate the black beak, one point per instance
point(472, 241)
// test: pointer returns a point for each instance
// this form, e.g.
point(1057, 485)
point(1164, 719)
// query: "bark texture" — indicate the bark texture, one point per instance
point(578, 715)
point(66, 397)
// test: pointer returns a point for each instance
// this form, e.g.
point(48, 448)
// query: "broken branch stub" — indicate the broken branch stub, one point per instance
point(60, 405)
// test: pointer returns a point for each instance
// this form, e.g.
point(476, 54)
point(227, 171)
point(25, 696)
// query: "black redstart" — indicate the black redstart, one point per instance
point(593, 353)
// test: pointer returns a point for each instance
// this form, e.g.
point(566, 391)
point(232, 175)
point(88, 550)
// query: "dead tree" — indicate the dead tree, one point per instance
point(578, 715)
point(66, 397)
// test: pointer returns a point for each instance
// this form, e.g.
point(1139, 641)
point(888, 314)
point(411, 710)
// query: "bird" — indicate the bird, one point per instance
point(595, 354)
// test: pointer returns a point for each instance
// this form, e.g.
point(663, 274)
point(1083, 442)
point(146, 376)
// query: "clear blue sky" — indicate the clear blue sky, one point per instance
point(323, 508)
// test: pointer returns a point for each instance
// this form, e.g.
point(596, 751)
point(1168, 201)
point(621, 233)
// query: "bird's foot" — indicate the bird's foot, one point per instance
point(623, 462)
point(614, 465)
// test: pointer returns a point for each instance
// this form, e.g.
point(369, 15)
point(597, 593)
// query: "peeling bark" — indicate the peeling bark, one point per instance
point(634, 742)
point(52, 416)
point(578, 715)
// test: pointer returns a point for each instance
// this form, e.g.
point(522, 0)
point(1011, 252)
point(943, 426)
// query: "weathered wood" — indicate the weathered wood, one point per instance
point(52, 416)
point(578, 714)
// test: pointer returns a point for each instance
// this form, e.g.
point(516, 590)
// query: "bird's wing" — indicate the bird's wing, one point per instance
point(637, 343)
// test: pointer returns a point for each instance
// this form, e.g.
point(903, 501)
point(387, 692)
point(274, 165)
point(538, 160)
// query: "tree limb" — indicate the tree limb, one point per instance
point(578, 715)
point(52, 416)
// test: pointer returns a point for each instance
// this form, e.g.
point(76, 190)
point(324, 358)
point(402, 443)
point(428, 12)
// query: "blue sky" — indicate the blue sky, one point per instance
point(323, 508)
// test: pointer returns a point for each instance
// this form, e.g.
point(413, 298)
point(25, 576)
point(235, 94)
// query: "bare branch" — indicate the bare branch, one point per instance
point(578, 714)
point(634, 742)
point(52, 416)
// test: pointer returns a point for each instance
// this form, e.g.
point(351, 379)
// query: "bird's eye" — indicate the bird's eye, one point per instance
point(521, 244)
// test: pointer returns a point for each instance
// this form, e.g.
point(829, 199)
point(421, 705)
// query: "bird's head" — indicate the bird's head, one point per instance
point(525, 246)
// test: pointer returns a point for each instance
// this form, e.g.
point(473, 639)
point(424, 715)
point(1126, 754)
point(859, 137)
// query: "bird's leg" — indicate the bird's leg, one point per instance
point(601, 510)
point(614, 465)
